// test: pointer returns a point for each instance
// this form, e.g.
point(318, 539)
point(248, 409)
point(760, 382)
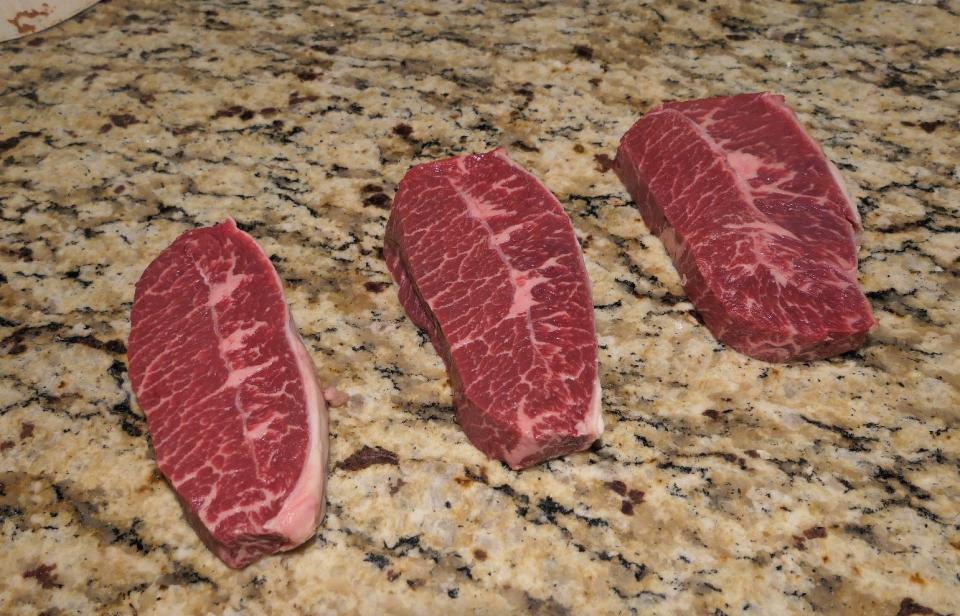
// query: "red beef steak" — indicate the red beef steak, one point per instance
point(489, 267)
point(756, 220)
point(238, 421)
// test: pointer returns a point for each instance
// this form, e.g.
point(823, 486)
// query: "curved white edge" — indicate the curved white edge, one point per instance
point(304, 507)
point(592, 424)
point(20, 18)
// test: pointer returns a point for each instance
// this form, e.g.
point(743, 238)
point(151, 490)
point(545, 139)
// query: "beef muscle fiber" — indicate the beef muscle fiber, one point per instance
point(488, 265)
point(756, 220)
point(238, 420)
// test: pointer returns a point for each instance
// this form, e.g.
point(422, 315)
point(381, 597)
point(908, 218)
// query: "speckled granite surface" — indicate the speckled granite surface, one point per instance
point(722, 486)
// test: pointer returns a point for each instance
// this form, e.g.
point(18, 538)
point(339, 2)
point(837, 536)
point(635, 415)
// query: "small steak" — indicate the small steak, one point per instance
point(756, 220)
point(238, 420)
point(488, 265)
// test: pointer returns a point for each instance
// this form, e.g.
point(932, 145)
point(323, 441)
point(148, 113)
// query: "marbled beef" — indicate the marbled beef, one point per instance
point(488, 265)
point(238, 421)
point(756, 220)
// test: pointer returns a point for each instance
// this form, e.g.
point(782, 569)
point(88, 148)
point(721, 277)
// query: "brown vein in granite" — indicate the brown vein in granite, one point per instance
point(61, 505)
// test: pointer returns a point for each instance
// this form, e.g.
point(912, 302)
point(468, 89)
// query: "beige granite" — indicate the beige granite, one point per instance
point(829, 487)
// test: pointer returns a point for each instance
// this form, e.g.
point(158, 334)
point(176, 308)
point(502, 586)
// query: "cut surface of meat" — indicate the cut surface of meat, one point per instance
point(237, 417)
point(489, 267)
point(756, 220)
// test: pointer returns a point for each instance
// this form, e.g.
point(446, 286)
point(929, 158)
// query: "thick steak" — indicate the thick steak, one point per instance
point(756, 220)
point(238, 421)
point(488, 265)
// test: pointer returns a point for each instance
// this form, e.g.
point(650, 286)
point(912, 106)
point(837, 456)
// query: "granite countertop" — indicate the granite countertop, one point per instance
point(723, 485)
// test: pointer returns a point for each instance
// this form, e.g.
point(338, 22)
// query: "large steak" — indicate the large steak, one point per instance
point(488, 265)
point(238, 421)
point(756, 220)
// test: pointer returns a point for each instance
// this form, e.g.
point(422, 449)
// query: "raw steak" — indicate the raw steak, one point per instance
point(488, 265)
point(756, 220)
point(238, 421)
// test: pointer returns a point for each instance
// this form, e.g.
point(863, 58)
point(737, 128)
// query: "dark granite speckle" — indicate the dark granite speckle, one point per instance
point(138, 120)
